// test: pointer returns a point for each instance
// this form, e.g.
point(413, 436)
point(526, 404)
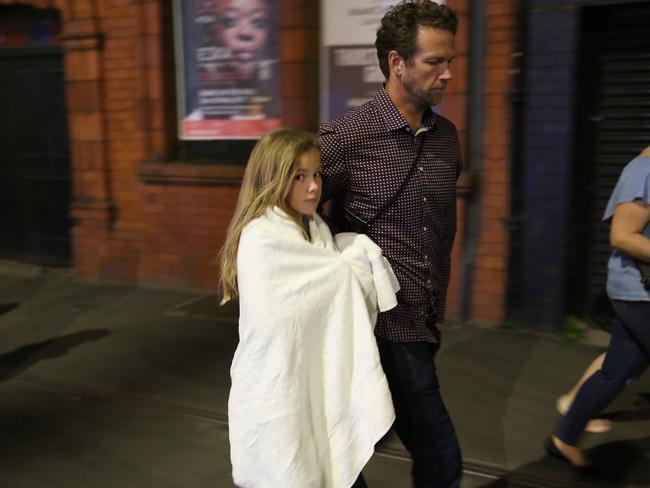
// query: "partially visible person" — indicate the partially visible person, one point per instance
point(390, 168)
point(628, 355)
point(309, 399)
point(594, 426)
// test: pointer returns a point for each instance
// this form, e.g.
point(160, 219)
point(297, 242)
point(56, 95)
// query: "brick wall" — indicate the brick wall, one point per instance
point(490, 273)
point(138, 216)
point(454, 107)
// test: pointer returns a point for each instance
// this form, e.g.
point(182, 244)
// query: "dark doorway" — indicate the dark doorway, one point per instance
point(613, 126)
point(34, 160)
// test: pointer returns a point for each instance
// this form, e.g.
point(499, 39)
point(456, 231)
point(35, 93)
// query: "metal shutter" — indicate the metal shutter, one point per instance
point(620, 121)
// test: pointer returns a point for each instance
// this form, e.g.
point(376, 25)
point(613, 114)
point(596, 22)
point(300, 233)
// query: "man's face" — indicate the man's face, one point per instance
point(426, 74)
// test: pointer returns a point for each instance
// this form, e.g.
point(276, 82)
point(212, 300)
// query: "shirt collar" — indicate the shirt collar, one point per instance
point(394, 119)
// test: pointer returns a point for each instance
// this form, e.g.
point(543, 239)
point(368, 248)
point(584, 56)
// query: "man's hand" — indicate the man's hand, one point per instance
point(326, 208)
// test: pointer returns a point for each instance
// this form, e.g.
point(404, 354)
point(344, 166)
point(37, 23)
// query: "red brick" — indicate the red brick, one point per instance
point(296, 13)
point(495, 7)
point(499, 36)
point(88, 154)
point(152, 17)
point(81, 65)
point(462, 36)
point(122, 74)
point(83, 96)
point(299, 112)
point(299, 80)
point(500, 21)
point(298, 44)
point(86, 126)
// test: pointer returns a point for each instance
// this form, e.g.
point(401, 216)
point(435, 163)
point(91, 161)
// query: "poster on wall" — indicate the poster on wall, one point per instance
point(350, 73)
point(227, 68)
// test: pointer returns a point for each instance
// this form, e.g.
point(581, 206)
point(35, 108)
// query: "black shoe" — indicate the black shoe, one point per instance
point(552, 450)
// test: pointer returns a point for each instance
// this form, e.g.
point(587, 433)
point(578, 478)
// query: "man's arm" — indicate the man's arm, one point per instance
point(333, 167)
point(333, 170)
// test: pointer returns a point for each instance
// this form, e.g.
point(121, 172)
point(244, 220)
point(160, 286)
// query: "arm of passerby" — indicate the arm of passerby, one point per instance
point(628, 223)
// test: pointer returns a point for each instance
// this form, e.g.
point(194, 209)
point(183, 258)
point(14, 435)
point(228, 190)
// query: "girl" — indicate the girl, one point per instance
point(309, 399)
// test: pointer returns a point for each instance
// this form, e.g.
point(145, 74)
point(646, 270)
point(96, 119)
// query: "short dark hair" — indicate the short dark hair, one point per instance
point(399, 27)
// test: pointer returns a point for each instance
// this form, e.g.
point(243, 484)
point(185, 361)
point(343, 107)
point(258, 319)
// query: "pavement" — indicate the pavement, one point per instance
point(108, 385)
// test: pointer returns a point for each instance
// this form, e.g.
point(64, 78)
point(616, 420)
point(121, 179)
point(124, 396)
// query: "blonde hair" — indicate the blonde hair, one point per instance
point(268, 175)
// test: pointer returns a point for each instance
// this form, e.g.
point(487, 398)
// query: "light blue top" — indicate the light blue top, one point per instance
point(623, 277)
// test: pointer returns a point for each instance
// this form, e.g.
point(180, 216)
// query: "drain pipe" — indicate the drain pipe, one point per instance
point(472, 167)
point(516, 221)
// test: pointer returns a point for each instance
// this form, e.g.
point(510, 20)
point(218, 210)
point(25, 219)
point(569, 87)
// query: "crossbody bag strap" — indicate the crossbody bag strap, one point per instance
point(390, 201)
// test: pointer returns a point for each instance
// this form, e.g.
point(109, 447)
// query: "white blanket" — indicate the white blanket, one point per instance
point(309, 399)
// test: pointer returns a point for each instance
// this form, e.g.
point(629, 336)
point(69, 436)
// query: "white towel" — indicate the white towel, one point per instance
point(309, 399)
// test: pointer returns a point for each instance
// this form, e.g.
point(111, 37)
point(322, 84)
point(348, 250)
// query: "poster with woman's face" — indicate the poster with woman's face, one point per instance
point(228, 69)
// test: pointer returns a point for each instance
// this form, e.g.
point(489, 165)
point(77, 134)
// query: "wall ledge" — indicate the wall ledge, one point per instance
point(181, 173)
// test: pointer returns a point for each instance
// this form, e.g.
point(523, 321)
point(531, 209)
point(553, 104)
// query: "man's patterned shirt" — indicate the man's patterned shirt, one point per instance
point(366, 155)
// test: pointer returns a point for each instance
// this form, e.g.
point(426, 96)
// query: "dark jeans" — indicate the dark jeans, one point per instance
point(422, 421)
point(626, 359)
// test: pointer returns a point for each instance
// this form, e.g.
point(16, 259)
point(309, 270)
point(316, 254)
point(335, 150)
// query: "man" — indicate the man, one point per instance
point(390, 168)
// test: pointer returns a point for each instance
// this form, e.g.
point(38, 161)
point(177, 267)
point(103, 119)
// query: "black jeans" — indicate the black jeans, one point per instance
point(422, 421)
point(360, 483)
point(626, 359)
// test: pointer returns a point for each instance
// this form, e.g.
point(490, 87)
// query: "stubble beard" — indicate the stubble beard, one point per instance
point(421, 98)
point(426, 99)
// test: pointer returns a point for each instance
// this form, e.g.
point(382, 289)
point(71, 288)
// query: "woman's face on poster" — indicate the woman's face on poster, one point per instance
point(244, 28)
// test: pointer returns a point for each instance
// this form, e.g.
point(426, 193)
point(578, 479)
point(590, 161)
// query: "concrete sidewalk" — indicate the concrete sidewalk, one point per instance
point(116, 386)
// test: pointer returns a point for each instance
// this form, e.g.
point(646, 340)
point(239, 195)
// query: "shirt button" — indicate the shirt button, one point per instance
point(424, 199)
point(426, 256)
point(425, 229)
point(420, 168)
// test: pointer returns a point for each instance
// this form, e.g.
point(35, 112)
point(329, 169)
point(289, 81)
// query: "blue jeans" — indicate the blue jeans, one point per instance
point(422, 421)
point(626, 359)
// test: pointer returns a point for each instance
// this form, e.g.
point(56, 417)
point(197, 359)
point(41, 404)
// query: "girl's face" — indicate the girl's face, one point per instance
point(244, 26)
point(305, 189)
